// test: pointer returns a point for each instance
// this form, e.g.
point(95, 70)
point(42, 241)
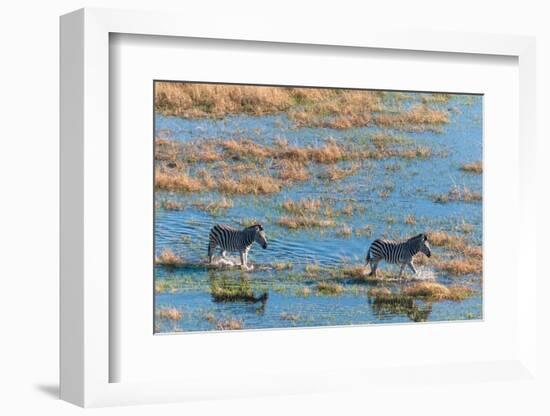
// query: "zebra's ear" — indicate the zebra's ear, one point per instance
point(425, 237)
point(259, 226)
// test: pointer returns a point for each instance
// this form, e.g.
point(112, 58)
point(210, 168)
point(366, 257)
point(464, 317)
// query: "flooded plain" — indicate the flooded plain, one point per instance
point(320, 223)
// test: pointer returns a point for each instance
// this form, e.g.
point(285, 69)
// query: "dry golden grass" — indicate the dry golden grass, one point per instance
point(436, 291)
point(334, 173)
point(217, 100)
point(447, 240)
point(379, 291)
point(180, 182)
point(457, 193)
point(296, 222)
point(243, 149)
point(474, 167)
point(302, 206)
point(306, 107)
point(417, 118)
point(329, 153)
point(168, 258)
point(253, 183)
point(292, 171)
point(410, 219)
point(328, 288)
point(464, 258)
point(214, 206)
point(461, 266)
point(427, 290)
point(229, 324)
point(172, 314)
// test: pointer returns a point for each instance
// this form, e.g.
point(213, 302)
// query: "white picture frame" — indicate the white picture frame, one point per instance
point(86, 356)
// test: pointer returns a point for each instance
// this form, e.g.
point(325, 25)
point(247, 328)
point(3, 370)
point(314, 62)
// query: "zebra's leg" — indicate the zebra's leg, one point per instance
point(411, 266)
point(243, 259)
point(373, 268)
point(211, 248)
point(224, 253)
point(401, 270)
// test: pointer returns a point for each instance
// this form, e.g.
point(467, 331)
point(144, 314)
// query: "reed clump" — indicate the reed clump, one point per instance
point(460, 266)
point(301, 221)
point(214, 206)
point(291, 171)
point(230, 324)
point(417, 118)
point(459, 193)
point(437, 292)
point(473, 167)
point(334, 173)
point(329, 288)
point(168, 258)
point(172, 314)
point(181, 181)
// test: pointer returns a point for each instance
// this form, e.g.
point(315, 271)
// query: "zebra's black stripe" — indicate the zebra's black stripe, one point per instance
point(230, 239)
point(394, 252)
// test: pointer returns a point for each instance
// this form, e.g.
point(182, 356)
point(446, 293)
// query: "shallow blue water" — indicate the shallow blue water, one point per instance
point(412, 189)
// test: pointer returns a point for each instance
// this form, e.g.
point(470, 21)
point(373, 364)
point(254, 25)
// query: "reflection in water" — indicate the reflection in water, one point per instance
point(387, 305)
point(235, 288)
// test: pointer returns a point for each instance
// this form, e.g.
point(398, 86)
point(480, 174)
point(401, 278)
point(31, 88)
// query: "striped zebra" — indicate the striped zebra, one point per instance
point(395, 252)
point(231, 240)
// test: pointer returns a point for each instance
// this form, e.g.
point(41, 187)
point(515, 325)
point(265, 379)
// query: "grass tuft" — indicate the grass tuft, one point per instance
point(172, 314)
point(328, 288)
point(229, 324)
point(473, 167)
point(168, 258)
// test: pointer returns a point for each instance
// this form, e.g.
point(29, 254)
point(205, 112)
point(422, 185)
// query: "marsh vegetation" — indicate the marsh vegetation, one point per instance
point(325, 172)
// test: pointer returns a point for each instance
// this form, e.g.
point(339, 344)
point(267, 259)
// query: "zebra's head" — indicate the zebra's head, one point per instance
point(259, 235)
point(424, 245)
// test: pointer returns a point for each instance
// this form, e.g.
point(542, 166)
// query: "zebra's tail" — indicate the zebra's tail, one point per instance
point(368, 258)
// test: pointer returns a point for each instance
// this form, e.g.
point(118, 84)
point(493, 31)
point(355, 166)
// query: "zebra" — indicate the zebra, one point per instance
point(230, 239)
point(394, 252)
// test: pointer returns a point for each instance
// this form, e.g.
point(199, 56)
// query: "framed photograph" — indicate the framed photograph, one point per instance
point(248, 215)
point(314, 189)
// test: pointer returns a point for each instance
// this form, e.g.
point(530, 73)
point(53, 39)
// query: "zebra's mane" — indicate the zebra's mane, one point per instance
point(422, 237)
point(259, 226)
